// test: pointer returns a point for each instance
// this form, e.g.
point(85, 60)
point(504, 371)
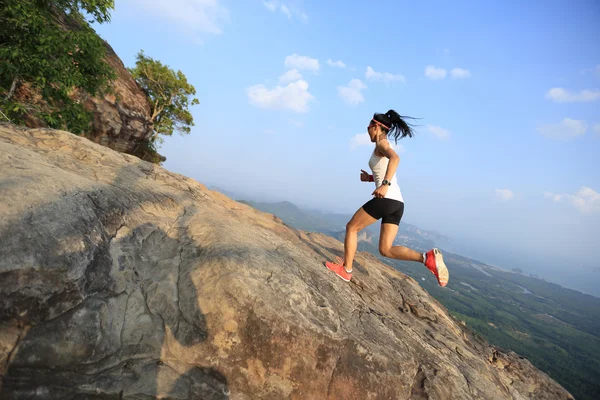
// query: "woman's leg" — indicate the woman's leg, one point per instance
point(359, 221)
point(435, 261)
point(386, 239)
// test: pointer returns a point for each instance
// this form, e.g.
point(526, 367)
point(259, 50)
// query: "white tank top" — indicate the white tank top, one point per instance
point(379, 166)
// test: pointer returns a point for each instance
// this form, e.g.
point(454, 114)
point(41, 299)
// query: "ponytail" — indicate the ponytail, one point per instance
point(398, 127)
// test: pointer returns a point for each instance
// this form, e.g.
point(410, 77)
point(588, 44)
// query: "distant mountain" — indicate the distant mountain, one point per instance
point(292, 215)
point(226, 192)
point(433, 236)
point(557, 329)
point(335, 225)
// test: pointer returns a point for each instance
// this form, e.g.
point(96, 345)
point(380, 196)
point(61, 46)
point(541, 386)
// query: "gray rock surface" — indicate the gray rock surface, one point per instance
point(120, 279)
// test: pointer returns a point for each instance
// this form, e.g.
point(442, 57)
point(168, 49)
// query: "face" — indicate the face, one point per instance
point(373, 130)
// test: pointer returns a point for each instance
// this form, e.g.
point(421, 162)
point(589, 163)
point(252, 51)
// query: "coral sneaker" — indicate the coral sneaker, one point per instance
point(435, 263)
point(339, 270)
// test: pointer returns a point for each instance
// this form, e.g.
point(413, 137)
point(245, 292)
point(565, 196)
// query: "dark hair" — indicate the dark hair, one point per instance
point(398, 127)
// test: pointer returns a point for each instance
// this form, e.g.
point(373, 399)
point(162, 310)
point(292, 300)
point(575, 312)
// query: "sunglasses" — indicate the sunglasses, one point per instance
point(374, 123)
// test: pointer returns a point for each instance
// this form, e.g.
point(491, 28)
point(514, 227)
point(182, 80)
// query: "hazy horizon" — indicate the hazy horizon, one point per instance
point(505, 156)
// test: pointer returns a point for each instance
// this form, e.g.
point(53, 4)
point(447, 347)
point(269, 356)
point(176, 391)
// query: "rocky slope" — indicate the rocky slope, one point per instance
point(120, 279)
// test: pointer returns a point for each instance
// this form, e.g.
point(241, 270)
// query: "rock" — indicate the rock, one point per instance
point(122, 117)
point(121, 279)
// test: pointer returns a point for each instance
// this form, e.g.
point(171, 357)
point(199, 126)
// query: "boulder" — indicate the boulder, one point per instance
point(120, 279)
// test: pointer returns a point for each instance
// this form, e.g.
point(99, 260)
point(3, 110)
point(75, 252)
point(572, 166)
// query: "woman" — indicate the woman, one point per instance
point(387, 203)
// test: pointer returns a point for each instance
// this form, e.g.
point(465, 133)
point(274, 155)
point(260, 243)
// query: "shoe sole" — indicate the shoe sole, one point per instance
point(336, 274)
point(442, 270)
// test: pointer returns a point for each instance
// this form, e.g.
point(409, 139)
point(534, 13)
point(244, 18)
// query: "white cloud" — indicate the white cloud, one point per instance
point(294, 96)
point(269, 132)
point(561, 95)
point(372, 75)
point(302, 62)
point(434, 73)
point(362, 139)
point(286, 11)
point(438, 131)
point(586, 200)
point(505, 194)
point(352, 94)
point(194, 17)
point(297, 124)
point(338, 63)
point(596, 128)
point(566, 129)
point(290, 76)
point(459, 73)
point(271, 5)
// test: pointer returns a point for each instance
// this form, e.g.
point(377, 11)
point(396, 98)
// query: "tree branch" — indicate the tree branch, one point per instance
point(4, 115)
point(147, 76)
point(13, 87)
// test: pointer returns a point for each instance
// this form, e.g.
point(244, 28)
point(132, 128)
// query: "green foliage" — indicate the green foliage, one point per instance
point(49, 46)
point(169, 93)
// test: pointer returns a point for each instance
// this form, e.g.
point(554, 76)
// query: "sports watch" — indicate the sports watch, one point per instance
point(386, 182)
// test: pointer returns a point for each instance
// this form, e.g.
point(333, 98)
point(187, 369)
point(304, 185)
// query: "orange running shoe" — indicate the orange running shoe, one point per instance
point(435, 263)
point(339, 270)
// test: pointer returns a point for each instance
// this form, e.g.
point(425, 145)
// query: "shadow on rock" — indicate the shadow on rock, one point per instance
point(91, 293)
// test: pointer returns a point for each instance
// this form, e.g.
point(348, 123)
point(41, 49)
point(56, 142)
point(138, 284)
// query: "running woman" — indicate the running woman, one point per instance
point(387, 203)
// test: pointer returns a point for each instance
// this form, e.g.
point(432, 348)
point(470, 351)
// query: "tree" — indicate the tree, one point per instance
point(169, 93)
point(48, 46)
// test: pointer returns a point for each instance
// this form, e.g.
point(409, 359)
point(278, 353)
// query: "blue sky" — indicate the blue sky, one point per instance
point(506, 156)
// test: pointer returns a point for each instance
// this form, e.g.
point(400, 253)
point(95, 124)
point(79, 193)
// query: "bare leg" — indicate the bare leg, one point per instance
point(386, 239)
point(359, 221)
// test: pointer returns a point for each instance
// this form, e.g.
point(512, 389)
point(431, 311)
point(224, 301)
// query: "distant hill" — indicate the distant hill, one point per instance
point(335, 225)
point(292, 215)
point(228, 193)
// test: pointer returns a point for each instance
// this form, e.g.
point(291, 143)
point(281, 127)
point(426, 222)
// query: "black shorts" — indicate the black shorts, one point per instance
point(389, 209)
